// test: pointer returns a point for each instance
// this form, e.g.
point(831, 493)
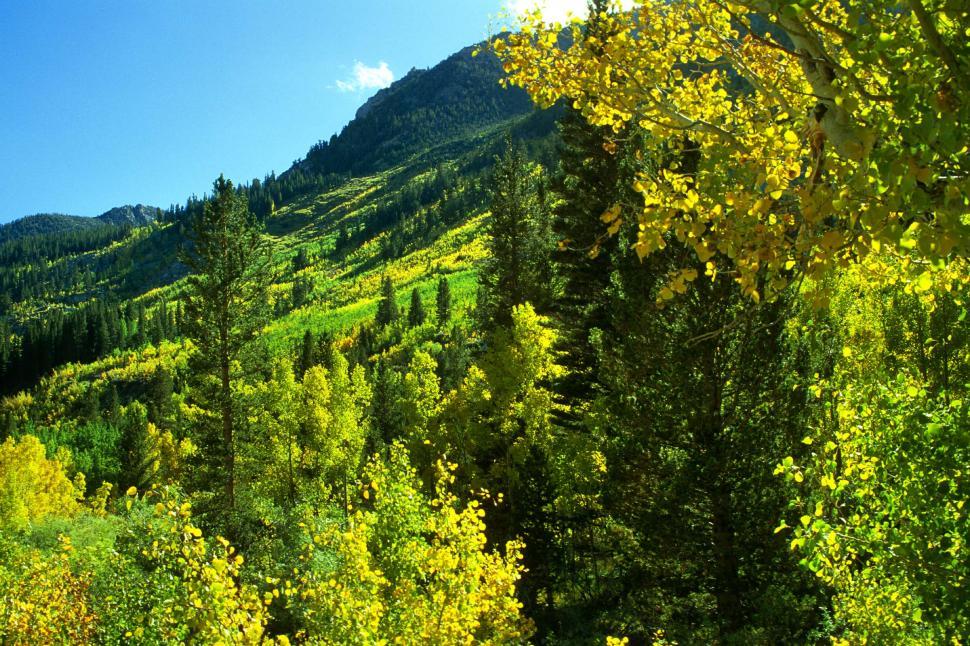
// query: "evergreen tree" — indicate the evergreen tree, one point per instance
point(326, 350)
point(300, 292)
point(137, 450)
point(141, 336)
point(305, 362)
point(387, 311)
point(443, 302)
point(114, 407)
point(301, 260)
point(91, 405)
point(518, 266)
point(160, 392)
point(588, 183)
point(225, 307)
point(416, 313)
point(388, 424)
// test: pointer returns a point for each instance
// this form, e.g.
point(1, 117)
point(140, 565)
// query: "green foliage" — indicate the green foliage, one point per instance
point(517, 269)
point(443, 302)
point(408, 568)
point(879, 509)
point(416, 315)
point(628, 438)
point(387, 310)
point(224, 310)
point(334, 421)
point(191, 584)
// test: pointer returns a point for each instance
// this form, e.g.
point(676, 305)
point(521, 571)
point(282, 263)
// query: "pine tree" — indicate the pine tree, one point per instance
point(226, 306)
point(518, 267)
point(387, 312)
point(588, 183)
point(114, 407)
point(91, 405)
point(416, 315)
point(443, 302)
point(161, 388)
point(137, 450)
point(305, 361)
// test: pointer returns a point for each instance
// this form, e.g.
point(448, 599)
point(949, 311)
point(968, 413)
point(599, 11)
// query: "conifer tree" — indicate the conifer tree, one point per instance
point(225, 307)
point(587, 184)
point(387, 311)
point(114, 406)
point(443, 302)
point(518, 267)
point(306, 353)
point(416, 315)
point(137, 450)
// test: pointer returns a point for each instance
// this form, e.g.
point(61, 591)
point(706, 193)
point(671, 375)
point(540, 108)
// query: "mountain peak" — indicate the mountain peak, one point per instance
point(138, 215)
point(457, 97)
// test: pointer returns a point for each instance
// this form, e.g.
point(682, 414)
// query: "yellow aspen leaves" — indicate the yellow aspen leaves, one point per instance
point(798, 168)
point(33, 487)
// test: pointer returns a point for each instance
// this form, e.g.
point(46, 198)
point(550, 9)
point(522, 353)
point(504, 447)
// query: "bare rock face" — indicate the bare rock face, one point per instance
point(137, 216)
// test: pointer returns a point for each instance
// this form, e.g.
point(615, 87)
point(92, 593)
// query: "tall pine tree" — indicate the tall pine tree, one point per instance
point(225, 307)
point(416, 313)
point(443, 302)
point(387, 311)
point(518, 267)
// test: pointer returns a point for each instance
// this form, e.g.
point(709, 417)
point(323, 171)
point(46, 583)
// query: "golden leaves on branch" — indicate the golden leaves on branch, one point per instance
point(786, 182)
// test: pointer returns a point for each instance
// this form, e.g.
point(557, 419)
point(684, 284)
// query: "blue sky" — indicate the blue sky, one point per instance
point(109, 102)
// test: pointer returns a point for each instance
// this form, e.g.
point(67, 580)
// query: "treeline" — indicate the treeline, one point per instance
point(42, 266)
point(36, 248)
point(81, 335)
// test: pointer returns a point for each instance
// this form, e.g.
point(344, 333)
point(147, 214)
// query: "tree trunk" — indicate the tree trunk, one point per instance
point(728, 585)
point(227, 431)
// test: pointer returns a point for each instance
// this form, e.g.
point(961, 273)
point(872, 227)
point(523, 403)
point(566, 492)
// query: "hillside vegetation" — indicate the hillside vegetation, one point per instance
point(680, 356)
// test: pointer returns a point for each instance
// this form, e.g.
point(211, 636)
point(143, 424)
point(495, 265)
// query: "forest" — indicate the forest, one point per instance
point(675, 353)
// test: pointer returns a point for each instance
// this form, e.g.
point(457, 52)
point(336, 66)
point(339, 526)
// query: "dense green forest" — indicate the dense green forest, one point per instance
point(677, 355)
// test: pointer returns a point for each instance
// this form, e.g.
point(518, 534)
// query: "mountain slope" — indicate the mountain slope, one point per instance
point(416, 214)
point(455, 98)
point(53, 223)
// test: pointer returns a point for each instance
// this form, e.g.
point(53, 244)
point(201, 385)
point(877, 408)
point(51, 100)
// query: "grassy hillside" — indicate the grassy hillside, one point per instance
point(401, 191)
point(414, 222)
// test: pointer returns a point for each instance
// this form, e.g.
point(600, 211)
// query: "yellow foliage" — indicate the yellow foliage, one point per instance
point(31, 486)
point(410, 571)
point(214, 607)
point(42, 601)
point(810, 168)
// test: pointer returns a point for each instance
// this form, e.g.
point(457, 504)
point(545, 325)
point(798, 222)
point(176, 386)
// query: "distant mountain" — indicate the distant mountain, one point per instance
point(401, 191)
point(456, 98)
point(137, 216)
point(44, 223)
point(47, 223)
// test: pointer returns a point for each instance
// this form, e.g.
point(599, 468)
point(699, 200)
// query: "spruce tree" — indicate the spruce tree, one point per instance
point(518, 267)
point(387, 312)
point(416, 315)
point(226, 306)
point(443, 302)
point(305, 361)
point(588, 183)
